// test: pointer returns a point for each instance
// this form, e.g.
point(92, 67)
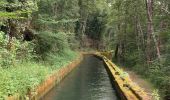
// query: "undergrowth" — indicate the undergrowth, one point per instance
point(20, 71)
point(29, 75)
point(158, 74)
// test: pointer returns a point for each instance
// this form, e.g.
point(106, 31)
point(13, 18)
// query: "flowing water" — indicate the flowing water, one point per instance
point(89, 81)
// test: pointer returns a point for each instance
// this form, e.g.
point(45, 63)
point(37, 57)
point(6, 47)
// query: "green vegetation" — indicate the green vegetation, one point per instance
point(19, 72)
point(43, 35)
point(29, 55)
point(28, 75)
point(141, 39)
point(21, 78)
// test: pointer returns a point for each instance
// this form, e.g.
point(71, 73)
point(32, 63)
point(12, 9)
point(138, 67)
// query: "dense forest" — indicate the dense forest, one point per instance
point(39, 36)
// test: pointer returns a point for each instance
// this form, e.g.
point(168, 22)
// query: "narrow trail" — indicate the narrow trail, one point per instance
point(143, 83)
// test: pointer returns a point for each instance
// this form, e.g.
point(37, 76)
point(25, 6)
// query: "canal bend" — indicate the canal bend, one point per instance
point(88, 81)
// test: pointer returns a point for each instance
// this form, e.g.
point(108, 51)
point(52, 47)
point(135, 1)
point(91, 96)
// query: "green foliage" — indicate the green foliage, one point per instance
point(25, 51)
point(57, 15)
point(20, 79)
point(19, 10)
point(28, 75)
point(21, 51)
point(56, 61)
point(14, 15)
point(155, 95)
point(19, 71)
point(49, 42)
point(158, 73)
point(51, 21)
point(73, 43)
point(45, 22)
point(6, 57)
point(127, 22)
point(50, 45)
point(2, 40)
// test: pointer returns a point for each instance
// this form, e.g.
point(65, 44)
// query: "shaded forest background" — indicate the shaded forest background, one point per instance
point(42, 35)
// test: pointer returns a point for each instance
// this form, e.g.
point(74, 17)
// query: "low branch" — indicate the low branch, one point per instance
point(165, 10)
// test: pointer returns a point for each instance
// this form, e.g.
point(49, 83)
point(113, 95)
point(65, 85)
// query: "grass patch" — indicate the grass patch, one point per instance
point(29, 75)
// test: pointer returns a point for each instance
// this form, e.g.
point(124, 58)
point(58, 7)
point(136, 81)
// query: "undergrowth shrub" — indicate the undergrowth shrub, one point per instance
point(59, 60)
point(73, 42)
point(159, 74)
point(20, 79)
point(25, 51)
point(19, 72)
point(48, 42)
point(20, 51)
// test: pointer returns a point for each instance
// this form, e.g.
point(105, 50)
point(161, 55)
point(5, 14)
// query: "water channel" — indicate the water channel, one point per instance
point(89, 81)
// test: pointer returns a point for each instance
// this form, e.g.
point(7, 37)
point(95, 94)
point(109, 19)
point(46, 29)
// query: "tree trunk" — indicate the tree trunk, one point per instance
point(116, 52)
point(141, 34)
point(150, 32)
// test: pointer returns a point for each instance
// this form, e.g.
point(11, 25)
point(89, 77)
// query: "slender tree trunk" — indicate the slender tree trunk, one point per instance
point(10, 33)
point(84, 26)
point(150, 32)
point(116, 52)
point(141, 33)
point(136, 30)
point(83, 21)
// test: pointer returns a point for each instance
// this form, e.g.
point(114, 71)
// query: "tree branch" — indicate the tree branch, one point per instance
point(165, 10)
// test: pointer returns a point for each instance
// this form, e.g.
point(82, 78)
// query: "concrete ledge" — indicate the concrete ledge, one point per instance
point(55, 78)
point(125, 88)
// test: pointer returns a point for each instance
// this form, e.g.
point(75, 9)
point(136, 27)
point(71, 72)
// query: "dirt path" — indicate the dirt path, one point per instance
point(146, 85)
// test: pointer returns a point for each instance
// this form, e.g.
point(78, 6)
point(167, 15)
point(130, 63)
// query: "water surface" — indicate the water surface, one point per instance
point(89, 81)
